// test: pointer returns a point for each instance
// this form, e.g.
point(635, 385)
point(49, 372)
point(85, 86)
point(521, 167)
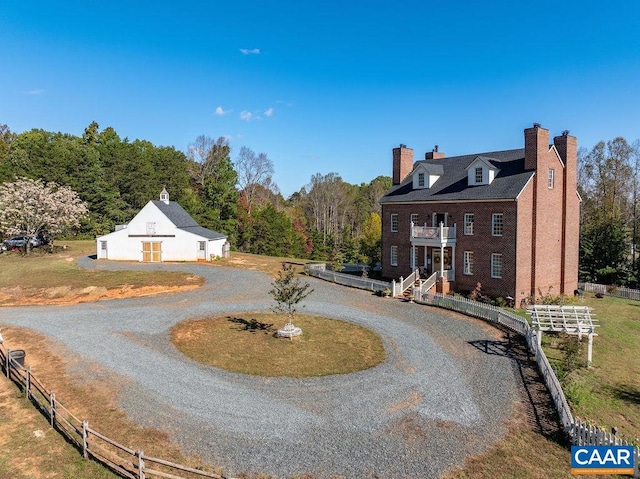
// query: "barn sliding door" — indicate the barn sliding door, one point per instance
point(151, 251)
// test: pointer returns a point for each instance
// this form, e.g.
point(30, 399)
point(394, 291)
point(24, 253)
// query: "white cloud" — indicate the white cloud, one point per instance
point(246, 115)
point(39, 91)
point(252, 51)
point(268, 112)
point(221, 111)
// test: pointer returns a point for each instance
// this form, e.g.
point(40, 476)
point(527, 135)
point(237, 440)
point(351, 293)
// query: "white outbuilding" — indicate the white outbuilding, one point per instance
point(162, 231)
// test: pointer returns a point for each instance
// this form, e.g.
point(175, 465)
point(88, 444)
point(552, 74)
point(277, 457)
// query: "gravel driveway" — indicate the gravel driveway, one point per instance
point(437, 398)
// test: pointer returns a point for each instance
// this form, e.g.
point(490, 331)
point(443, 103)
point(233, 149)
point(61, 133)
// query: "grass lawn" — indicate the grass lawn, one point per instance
point(30, 449)
point(608, 392)
point(247, 344)
point(43, 276)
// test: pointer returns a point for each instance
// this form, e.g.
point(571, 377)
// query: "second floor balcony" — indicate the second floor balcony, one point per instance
point(433, 235)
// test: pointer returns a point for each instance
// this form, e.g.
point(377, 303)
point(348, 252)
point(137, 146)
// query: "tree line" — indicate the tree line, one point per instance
point(327, 219)
point(608, 183)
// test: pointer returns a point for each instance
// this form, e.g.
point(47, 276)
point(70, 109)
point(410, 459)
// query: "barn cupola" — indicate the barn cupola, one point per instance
point(164, 196)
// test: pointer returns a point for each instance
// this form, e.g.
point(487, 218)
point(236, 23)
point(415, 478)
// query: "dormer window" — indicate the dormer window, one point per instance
point(425, 175)
point(479, 174)
point(481, 171)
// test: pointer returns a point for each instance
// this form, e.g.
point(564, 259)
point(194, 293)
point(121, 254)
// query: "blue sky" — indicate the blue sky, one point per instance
point(324, 86)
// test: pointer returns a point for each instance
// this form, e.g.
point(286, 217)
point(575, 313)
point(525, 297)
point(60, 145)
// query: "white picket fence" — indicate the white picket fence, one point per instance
point(399, 287)
point(425, 285)
point(131, 463)
point(319, 271)
point(580, 432)
point(618, 291)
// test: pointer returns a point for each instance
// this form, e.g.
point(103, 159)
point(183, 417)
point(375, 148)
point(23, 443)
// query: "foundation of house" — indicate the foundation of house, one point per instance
point(443, 286)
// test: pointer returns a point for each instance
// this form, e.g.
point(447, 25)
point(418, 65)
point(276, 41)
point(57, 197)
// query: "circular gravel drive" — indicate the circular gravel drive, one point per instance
point(436, 399)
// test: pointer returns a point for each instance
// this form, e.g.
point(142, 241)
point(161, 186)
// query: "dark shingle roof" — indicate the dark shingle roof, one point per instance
point(453, 185)
point(204, 232)
point(183, 220)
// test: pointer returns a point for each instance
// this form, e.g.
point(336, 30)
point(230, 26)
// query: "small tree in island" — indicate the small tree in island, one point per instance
point(288, 291)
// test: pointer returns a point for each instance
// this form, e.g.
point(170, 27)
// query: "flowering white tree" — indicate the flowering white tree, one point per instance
point(30, 207)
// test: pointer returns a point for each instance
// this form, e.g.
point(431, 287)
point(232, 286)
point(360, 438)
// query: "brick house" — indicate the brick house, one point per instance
point(506, 219)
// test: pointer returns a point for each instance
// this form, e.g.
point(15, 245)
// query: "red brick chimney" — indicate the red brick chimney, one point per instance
point(434, 154)
point(536, 145)
point(402, 163)
point(567, 147)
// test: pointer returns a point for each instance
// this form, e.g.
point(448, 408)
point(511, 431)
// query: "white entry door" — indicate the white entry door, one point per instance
point(102, 253)
point(202, 250)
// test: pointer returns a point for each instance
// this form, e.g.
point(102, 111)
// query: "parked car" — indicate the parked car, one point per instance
point(20, 241)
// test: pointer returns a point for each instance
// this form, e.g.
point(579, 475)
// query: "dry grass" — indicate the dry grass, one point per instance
point(247, 344)
point(267, 264)
point(608, 393)
point(53, 278)
point(90, 395)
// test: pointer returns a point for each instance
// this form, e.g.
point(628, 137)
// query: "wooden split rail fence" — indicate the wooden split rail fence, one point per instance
point(134, 463)
point(125, 461)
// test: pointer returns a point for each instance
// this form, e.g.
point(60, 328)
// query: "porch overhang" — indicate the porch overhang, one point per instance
point(436, 243)
point(435, 236)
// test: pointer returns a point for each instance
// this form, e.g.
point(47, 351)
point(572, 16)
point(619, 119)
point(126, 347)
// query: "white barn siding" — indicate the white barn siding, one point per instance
point(152, 225)
point(184, 246)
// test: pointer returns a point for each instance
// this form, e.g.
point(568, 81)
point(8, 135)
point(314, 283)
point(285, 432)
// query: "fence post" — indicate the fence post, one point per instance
point(52, 412)
point(85, 439)
point(141, 475)
point(28, 385)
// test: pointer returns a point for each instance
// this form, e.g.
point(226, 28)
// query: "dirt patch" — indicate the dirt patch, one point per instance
point(64, 295)
point(29, 448)
point(411, 400)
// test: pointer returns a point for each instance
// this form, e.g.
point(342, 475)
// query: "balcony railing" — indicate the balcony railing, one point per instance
point(441, 233)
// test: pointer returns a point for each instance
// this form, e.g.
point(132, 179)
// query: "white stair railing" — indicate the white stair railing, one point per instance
point(425, 285)
point(404, 284)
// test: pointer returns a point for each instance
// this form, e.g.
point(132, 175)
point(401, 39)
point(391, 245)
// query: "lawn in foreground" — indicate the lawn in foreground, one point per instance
point(608, 392)
point(246, 343)
point(43, 276)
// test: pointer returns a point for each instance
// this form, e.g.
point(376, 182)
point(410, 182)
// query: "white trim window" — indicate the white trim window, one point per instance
point(479, 175)
point(550, 178)
point(151, 228)
point(394, 222)
point(468, 262)
point(414, 219)
point(496, 265)
point(421, 180)
point(394, 256)
point(497, 224)
point(468, 223)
